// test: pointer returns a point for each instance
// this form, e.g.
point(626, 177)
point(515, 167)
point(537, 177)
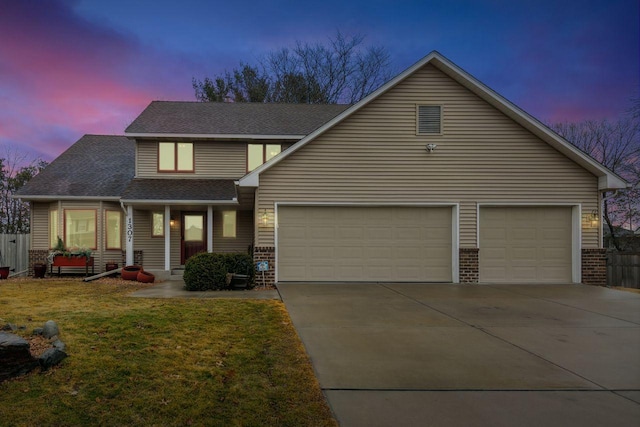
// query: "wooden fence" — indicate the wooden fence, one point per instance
point(623, 269)
point(15, 251)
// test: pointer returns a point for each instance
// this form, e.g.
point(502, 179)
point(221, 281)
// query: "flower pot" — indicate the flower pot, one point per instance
point(110, 266)
point(4, 272)
point(130, 272)
point(39, 269)
point(146, 277)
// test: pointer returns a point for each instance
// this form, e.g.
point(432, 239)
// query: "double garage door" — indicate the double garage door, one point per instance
point(414, 244)
point(364, 244)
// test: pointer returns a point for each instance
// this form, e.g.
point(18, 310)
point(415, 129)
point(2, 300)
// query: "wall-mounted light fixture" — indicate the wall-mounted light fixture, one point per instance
point(594, 218)
point(172, 221)
point(264, 217)
point(431, 147)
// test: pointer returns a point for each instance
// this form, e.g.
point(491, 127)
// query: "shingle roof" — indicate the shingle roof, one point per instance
point(225, 118)
point(200, 190)
point(95, 166)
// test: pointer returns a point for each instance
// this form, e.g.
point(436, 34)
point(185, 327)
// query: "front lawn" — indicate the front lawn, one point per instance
point(135, 361)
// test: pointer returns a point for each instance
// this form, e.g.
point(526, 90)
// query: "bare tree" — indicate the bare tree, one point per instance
point(615, 144)
point(14, 214)
point(340, 71)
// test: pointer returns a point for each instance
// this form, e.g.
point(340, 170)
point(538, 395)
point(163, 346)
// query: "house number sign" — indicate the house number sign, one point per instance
point(129, 229)
point(263, 266)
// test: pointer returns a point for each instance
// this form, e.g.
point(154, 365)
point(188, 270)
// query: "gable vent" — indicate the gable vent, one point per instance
point(429, 119)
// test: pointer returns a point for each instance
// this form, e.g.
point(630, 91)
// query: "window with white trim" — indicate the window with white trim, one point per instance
point(429, 120)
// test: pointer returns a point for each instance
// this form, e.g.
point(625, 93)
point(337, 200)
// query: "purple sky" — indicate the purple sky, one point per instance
point(70, 67)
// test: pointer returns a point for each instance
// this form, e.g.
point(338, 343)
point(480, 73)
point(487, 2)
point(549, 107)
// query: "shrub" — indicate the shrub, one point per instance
point(206, 271)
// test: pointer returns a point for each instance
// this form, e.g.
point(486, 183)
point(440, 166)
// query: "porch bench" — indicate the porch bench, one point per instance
point(235, 280)
point(62, 261)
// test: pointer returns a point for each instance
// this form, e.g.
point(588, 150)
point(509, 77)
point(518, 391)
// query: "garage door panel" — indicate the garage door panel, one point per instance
point(366, 244)
point(529, 245)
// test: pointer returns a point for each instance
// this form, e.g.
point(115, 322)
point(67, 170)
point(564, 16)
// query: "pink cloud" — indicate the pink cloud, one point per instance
point(61, 77)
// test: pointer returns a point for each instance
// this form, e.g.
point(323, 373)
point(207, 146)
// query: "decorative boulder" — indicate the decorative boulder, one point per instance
point(15, 358)
point(50, 329)
point(51, 357)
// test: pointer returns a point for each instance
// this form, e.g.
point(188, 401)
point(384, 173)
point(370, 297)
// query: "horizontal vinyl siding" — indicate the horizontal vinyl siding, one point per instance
point(375, 156)
point(40, 225)
point(225, 160)
point(152, 248)
point(244, 233)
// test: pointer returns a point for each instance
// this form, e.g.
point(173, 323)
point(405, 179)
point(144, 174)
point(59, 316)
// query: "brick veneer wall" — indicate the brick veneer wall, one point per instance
point(265, 253)
point(137, 258)
point(37, 256)
point(469, 266)
point(594, 267)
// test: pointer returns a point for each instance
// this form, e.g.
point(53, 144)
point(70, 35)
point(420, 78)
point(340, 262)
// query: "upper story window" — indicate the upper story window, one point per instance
point(257, 154)
point(175, 157)
point(429, 120)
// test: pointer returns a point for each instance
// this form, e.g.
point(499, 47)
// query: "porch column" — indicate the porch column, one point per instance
point(209, 228)
point(129, 244)
point(167, 237)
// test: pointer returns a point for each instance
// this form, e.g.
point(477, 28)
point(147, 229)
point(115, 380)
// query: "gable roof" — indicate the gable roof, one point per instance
point(607, 180)
point(226, 119)
point(96, 166)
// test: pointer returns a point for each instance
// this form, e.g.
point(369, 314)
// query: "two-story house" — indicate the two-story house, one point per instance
point(434, 177)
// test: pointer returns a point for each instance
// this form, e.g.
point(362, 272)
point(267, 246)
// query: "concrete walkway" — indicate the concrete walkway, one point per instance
point(456, 355)
point(175, 289)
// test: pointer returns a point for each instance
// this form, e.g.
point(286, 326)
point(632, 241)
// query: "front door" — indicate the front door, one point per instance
point(194, 235)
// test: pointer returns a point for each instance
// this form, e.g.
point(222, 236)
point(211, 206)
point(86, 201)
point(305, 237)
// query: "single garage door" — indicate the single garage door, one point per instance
point(525, 245)
point(364, 244)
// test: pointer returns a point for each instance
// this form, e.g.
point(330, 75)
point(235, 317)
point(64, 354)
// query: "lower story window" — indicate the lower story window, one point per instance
point(113, 230)
point(53, 228)
point(80, 228)
point(229, 224)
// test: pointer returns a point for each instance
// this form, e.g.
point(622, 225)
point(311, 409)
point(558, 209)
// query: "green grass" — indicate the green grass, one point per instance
point(160, 362)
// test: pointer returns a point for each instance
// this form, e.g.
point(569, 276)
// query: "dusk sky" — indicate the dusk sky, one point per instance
point(74, 67)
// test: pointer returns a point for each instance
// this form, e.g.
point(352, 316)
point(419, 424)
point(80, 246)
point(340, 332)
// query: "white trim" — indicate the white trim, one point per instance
point(56, 198)
point(576, 230)
point(182, 202)
point(129, 235)
point(606, 178)
point(455, 225)
point(167, 237)
point(224, 136)
point(209, 228)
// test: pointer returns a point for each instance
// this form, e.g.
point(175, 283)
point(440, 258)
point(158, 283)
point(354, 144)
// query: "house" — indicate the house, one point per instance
point(434, 177)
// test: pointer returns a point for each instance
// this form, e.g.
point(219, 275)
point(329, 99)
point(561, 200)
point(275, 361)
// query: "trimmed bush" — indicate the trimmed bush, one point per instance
point(206, 271)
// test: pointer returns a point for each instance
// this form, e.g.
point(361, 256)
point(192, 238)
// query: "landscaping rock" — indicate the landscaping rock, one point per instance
point(50, 329)
point(15, 358)
point(37, 331)
point(9, 327)
point(51, 357)
point(59, 345)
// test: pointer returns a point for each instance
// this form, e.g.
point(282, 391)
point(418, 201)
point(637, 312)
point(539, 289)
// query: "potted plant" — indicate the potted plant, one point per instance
point(73, 257)
point(130, 272)
point(39, 270)
point(4, 271)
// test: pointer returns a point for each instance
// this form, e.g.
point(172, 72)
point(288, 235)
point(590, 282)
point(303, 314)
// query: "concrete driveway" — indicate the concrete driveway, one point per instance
point(460, 355)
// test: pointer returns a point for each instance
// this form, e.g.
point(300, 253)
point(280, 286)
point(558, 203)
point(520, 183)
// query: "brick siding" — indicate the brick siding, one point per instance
point(265, 253)
point(594, 267)
point(469, 266)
